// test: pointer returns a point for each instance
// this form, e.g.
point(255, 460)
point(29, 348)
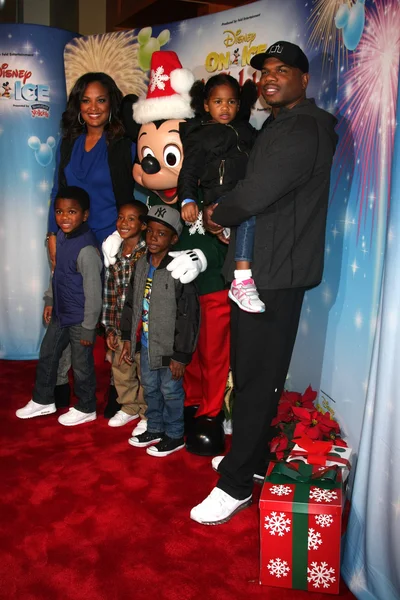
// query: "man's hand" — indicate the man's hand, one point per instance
point(110, 248)
point(86, 343)
point(190, 212)
point(125, 354)
point(111, 341)
point(47, 314)
point(177, 369)
point(51, 247)
point(208, 222)
point(187, 264)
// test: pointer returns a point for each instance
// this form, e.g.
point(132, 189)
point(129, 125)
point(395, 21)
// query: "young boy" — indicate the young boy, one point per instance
point(126, 382)
point(77, 293)
point(170, 316)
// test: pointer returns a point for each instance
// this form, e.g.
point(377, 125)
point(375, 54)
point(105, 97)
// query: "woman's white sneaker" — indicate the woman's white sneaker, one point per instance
point(76, 417)
point(34, 409)
point(121, 418)
point(218, 508)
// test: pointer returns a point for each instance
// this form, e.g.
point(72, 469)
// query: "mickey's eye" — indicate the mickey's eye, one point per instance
point(146, 151)
point(172, 155)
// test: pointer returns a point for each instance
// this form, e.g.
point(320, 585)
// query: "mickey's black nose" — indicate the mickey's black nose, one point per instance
point(150, 165)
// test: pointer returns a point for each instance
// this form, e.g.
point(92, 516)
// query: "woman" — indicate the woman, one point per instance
point(95, 155)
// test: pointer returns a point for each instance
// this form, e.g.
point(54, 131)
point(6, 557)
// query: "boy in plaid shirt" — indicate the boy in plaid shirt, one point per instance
point(126, 381)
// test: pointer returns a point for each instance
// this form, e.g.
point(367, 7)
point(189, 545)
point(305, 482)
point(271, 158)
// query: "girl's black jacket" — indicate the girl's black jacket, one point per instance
point(215, 156)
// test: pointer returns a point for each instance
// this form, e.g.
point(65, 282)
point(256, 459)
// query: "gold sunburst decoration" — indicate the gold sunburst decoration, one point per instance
point(111, 53)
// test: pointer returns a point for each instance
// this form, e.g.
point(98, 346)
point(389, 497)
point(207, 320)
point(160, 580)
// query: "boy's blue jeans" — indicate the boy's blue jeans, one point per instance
point(245, 240)
point(164, 397)
point(54, 342)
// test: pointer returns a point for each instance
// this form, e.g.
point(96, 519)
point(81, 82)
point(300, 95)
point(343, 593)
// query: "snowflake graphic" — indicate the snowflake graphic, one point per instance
point(197, 226)
point(278, 567)
point(280, 490)
point(314, 539)
point(320, 495)
point(320, 574)
point(277, 524)
point(324, 520)
point(157, 79)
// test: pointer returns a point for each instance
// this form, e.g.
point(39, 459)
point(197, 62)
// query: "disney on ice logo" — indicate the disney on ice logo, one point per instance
point(240, 54)
point(36, 93)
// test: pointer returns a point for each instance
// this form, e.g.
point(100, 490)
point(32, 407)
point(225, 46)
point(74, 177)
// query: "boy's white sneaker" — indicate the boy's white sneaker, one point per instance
point(34, 409)
point(245, 294)
point(121, 418)
point(141, 427)
point(76, 417)
point(218, 508)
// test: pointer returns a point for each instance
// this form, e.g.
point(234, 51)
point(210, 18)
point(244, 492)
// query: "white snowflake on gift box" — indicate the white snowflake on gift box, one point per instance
point(280, 490)
point(277, 523)
point(278, 567)
point(321, 575)
point(157, 79)
point(324, 520)
point(314, 539)
point(320, 495)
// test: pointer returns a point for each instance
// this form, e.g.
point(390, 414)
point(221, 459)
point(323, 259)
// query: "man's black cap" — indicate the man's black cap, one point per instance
point(288, 53)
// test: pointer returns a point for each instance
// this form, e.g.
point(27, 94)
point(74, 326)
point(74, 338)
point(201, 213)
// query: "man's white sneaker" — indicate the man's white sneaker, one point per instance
point(76, 417)
point(218, 508)
point(34, 409)
point(141, 427)
point(245, 294)
point(121, 418)
point(215, 462)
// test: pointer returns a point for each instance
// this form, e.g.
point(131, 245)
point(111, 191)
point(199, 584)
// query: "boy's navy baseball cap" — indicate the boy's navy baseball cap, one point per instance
point(288, 53)
point(166, 215)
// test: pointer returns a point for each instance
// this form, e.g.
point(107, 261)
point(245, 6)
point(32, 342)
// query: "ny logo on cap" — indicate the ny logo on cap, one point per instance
point(160, 212)
point(277, 49)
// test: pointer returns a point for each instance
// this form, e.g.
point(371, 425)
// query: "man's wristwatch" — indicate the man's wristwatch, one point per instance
point(49, 234)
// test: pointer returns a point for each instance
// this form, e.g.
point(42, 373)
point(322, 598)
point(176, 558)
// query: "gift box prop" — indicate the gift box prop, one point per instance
point(325, 454)
point(301, 520)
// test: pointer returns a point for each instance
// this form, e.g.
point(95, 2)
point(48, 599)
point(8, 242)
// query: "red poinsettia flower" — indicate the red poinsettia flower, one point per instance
point(290, 399)
point(278, 445)
point(314, 424)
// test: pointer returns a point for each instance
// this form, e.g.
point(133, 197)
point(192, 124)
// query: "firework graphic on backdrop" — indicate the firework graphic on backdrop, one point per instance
point(324, 35)
point(113, 53)
point(369, 105)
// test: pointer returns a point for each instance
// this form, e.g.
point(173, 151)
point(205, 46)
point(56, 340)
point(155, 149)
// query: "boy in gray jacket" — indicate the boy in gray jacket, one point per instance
point(168, 314)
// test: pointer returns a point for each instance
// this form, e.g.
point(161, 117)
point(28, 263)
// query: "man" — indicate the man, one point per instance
point(287, 188)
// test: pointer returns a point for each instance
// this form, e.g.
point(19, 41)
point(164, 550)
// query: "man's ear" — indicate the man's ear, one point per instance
point(305, 78)
point(130, 125)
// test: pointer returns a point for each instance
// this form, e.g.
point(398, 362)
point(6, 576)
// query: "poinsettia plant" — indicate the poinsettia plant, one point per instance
point(297, 416)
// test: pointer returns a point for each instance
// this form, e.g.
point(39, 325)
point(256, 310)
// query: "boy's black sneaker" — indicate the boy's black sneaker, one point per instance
point(145, 439)
point(166, 446)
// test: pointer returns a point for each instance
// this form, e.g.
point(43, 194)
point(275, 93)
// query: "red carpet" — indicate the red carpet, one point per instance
point(85, 516)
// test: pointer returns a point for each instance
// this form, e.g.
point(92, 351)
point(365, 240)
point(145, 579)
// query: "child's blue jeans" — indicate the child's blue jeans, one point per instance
point(54, 343)
point(245, 240)
point(164, 397)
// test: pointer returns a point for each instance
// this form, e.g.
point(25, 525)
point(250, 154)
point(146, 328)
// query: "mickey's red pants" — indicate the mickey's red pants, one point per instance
point(206, 375)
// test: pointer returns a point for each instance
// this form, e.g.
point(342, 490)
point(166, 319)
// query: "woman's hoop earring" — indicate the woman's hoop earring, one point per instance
point(109, 117)
point(80, 119)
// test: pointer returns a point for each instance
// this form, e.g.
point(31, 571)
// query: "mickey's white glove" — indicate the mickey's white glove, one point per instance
point(110, 248)
point(187, 264)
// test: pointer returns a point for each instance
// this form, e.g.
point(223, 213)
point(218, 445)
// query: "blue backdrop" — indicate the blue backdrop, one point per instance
point(32, 99)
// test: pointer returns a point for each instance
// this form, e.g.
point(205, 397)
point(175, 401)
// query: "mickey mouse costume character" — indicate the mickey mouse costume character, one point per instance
point(157, 123)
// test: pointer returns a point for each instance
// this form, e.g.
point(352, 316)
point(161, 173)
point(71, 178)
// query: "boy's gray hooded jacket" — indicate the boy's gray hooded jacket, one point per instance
point(174, 314)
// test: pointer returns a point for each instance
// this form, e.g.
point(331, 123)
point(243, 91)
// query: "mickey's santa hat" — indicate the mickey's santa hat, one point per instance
point(168, 92)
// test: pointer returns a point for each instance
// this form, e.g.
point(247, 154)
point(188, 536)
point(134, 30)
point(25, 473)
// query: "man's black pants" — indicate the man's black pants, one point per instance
point(261, 349)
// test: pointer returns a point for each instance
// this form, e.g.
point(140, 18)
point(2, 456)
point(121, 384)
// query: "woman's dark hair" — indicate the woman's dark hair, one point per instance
point(71, 127)
point(247, 94)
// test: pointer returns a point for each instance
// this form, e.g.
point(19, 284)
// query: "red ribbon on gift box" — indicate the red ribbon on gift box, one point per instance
point(316, 451)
